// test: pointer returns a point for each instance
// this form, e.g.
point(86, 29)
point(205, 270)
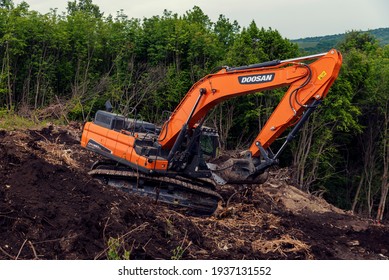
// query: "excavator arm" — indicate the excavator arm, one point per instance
point(307, 83)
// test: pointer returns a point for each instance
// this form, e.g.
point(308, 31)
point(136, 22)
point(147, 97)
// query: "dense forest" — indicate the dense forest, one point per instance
point(67, 65)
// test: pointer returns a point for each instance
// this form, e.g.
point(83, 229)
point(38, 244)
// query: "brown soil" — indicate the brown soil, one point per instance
point(51, 209)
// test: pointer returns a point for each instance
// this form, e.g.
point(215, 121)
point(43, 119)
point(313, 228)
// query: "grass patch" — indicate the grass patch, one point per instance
point(11, 121)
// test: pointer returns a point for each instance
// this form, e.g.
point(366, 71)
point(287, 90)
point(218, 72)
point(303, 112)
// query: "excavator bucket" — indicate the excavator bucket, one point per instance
point(237, 171)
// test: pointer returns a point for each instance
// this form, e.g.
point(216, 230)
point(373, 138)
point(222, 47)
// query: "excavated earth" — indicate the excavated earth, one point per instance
point(50, 208)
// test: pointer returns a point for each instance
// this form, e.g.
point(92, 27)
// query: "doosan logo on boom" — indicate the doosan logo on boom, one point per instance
point(256, 79)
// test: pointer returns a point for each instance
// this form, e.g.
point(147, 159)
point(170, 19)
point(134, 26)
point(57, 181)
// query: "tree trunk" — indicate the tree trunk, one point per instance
point(300, 159)
point(385, 173)
point(370, 159)
point(39, 78)
point(369, 154)
point(356, 197)
point(9, 84)
point(223, 121)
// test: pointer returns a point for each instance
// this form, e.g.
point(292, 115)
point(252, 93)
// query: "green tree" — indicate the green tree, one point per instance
point(252, 45)
point(13, 35)
point(316, 151)
point(371, 167)
point(85, 6)
point(226, 31)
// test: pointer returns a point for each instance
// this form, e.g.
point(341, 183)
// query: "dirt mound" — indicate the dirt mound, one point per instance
point(51, 209)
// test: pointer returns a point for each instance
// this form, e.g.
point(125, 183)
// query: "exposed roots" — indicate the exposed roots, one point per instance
point(284, 246)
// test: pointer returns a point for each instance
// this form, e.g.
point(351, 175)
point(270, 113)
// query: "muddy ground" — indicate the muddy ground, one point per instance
point(51, 209)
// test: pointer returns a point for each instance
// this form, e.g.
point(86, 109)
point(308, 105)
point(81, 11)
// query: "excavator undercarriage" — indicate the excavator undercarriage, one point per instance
point(198, 196)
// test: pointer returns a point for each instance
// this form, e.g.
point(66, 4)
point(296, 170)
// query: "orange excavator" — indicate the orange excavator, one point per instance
point(173, 163)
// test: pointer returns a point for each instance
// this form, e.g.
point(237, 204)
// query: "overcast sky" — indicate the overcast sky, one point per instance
point(292, 18)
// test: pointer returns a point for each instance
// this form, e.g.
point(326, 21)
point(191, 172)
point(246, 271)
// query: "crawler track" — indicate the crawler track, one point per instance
point(197, 196)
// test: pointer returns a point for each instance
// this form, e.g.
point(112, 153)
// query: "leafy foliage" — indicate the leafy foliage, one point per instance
point(116, 250)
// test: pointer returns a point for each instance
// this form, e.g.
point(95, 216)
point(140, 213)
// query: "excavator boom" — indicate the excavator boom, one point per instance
point(307, 82)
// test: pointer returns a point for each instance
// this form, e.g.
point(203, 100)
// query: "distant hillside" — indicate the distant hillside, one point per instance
point(323, 43)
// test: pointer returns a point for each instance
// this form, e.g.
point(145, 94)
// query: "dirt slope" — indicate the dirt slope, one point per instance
point(51, 209)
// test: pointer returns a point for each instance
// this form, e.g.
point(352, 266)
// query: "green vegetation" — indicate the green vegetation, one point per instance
point(12, 121)
point(116, 249)
point(178, 252)
point(324, 43)
point(75, 61)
